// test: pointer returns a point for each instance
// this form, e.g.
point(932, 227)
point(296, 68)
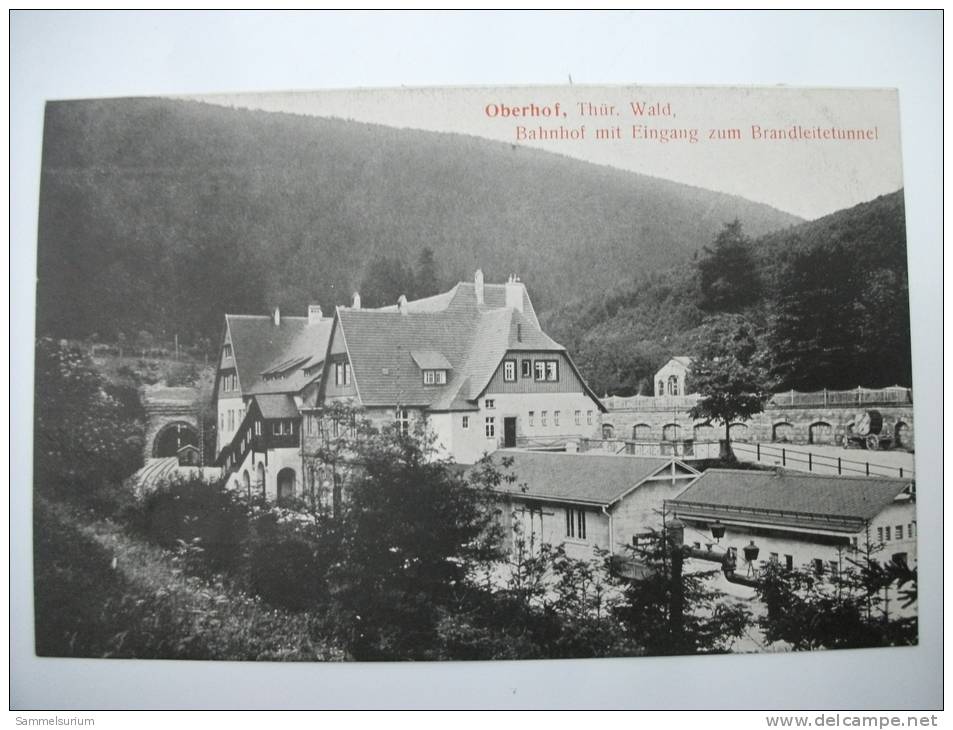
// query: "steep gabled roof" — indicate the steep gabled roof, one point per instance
point(384, 348)
point(581, 478)
point(463, 296)
point(380, 345)
point(789, 497)
point(496, 332)
point(262, 348)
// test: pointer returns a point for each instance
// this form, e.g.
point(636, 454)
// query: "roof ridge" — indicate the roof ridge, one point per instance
point(779, 471)
point(265, 316)
point(591, 453)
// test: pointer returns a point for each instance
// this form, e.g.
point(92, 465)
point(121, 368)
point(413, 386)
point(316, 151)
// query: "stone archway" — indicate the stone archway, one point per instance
point(738, 431)
point(783, 432)
point(902, 437)
point(173, 436)
point(820, 432)
point(641, 432)
point(172, 420)
point(671, 432)
point(704, 432)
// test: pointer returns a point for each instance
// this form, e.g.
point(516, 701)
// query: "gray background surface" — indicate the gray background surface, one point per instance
point(59, 55)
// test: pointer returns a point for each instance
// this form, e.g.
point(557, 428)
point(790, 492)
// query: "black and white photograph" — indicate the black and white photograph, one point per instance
point(473, 374)
point(476, 359)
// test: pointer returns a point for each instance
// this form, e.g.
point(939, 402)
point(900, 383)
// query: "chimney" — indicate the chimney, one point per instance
point(314, 313)
point(478, 285)
point(402, 304)
point(356, 301)
point(277, 317)
point(514, 293)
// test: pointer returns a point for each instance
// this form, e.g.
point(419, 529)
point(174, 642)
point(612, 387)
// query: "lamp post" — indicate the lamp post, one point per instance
point(717, 531)
point(675, 543)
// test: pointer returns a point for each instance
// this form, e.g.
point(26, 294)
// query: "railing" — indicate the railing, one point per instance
point(650, 403)
point(821, 463)
point(894, 395)
point(687, 449)
point(857, 397)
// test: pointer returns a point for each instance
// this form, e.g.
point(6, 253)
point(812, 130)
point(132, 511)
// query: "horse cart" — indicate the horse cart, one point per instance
point(867, 432)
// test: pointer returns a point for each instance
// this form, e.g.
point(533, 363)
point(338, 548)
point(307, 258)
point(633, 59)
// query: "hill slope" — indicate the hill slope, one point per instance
point(161, 214)
point(833, 307)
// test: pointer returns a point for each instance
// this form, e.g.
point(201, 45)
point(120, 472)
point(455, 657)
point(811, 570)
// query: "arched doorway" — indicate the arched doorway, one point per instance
point(608, 431)
point(783, 432)
point(286, 485)
point(704, 432)
point(261, 480)
point(901, 436)
point(246, 483)
point(738, 431)
point(671, 432)
point(820, 432)
point(641, 432)
point(172, 437)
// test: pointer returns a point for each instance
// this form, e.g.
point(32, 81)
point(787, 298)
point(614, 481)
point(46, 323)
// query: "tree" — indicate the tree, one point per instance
point(426, 279)
point(668, 610)
point(411, 531)
point(729, 276)
point(729, 373)
point(88, 434)
point(385, 280)
point(844, 609)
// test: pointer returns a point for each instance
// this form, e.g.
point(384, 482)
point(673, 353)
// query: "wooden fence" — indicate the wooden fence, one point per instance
point(894, 395)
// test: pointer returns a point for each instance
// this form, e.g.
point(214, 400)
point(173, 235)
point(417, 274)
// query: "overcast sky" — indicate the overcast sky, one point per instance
point(809, 178)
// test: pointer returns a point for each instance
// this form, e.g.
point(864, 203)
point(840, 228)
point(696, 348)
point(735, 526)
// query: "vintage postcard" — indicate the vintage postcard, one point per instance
point(473, 373)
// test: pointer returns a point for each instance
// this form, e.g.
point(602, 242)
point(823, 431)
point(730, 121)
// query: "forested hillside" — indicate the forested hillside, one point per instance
point(828, 299)
point(159, 215)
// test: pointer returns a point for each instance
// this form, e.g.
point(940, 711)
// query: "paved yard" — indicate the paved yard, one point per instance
point(824, 459)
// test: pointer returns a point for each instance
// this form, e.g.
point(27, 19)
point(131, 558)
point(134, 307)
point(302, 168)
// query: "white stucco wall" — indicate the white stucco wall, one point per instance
point(277, 459)
point(672, 367)
point(548, 526)
point(225, 434)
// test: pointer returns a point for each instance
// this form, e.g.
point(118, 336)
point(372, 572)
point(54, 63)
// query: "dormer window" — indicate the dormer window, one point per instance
point(509, 371)
point(433, 365)
point(435, 377)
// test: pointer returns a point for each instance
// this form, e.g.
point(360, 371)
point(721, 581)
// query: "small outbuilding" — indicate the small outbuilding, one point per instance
point(798, 519)
point(586, 500)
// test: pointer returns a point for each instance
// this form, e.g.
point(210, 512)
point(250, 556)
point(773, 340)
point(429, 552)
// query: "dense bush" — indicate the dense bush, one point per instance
point(99, 593)
point(88, 433)
point(204, 520)
point(288, 558)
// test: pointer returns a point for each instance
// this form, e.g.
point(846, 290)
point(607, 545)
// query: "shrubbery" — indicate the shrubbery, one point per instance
point(288, 559)
point(207, 522)
point(88, 433)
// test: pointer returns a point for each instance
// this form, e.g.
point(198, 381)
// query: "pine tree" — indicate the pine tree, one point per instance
point(426, 278)
point(729, 276)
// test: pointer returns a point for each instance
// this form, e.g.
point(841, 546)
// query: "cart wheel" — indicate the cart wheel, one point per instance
point(873, 442)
